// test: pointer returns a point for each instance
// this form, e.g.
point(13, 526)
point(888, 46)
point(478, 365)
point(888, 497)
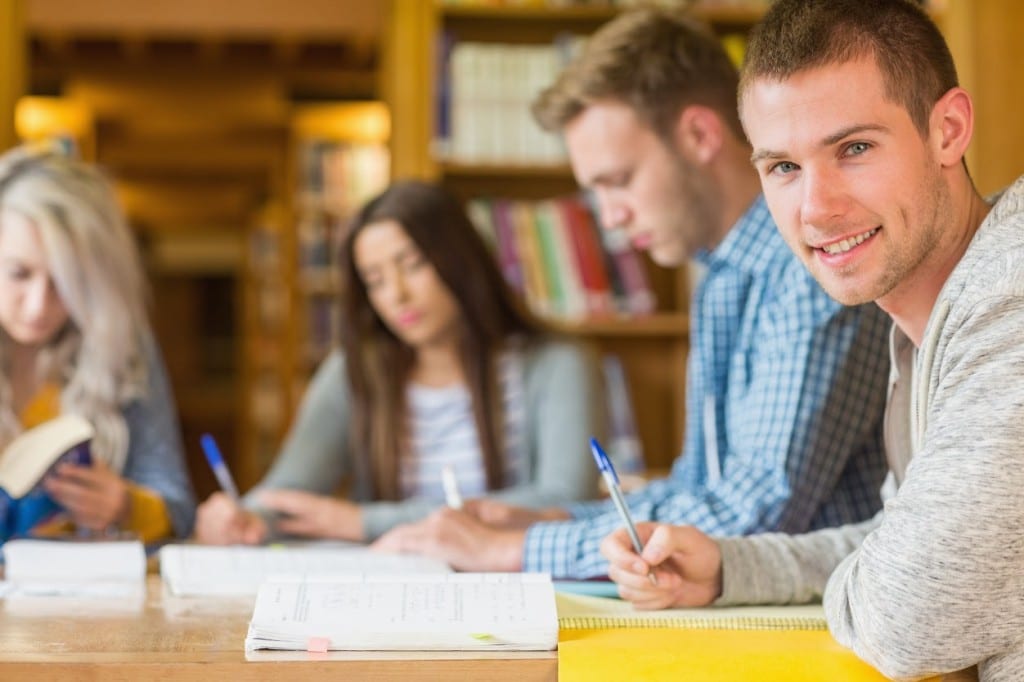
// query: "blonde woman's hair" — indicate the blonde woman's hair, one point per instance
point(98, 359)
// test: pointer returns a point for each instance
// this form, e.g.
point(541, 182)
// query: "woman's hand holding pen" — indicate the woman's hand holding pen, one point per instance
point(311, 515)
point(222, 521)
point(686, 562)
point(95, 497)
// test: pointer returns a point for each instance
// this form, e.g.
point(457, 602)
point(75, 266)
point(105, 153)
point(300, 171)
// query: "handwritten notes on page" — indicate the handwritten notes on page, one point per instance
point(454, 611)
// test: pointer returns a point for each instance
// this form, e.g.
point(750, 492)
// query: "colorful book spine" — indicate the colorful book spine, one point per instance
point(509, 254)
point(638, 297)
point(589, 257)
point(559, 304)
point(536, 286)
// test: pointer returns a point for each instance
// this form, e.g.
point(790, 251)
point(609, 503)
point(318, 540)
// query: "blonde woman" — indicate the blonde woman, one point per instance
point(75, 339)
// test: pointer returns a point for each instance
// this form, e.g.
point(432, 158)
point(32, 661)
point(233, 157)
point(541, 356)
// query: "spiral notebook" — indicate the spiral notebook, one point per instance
point(607, 639)
point(584, 612)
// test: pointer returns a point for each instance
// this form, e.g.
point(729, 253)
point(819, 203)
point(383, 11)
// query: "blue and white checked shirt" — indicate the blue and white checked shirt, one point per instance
point(785, 394)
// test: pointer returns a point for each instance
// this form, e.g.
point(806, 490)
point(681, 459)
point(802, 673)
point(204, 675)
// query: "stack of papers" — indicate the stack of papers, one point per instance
point(70, 568)
point(197, 570)
point(455, 611)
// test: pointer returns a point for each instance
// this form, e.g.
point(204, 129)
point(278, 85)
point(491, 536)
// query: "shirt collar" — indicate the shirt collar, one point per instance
point(743, 245)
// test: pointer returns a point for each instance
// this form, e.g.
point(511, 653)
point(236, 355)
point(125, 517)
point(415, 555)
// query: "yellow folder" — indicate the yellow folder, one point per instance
point(606, 639)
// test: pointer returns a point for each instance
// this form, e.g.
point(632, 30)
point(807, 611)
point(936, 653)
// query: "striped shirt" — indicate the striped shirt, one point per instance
point(785, 395)
point(443, 432)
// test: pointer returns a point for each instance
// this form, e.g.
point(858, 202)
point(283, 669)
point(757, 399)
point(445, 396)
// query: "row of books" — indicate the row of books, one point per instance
point(341, 175)
point(335, 178)
point(555, 255)
point(484, 92)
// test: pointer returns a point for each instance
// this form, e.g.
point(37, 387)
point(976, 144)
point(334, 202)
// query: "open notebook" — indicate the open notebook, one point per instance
point(238, 571)
point(454, 611)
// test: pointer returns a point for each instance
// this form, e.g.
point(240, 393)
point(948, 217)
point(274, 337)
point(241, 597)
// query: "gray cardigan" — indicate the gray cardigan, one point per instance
point(935, 582)
point(155, 457)
point(565, 406)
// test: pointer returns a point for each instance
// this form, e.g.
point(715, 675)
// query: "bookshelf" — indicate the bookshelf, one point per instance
point(337, 157)
point(424, 37)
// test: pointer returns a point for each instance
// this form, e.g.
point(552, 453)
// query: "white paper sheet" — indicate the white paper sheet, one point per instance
point(222, 571)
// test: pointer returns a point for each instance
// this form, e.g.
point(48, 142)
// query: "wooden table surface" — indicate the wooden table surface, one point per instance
point(163, 637)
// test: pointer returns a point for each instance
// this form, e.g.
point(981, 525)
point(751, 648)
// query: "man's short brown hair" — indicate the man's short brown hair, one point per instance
point(911, 53)
point(656, 61)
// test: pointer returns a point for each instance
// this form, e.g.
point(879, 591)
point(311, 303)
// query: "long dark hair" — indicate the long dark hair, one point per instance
point(379, 363)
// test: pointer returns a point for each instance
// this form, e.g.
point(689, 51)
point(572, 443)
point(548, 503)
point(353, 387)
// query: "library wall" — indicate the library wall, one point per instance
point(193, 109)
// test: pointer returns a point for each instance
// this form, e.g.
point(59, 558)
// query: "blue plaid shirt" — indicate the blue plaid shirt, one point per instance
point(785, 394)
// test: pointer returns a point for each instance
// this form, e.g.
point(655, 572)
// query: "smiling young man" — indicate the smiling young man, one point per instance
point(785, 386)
point(859, 129)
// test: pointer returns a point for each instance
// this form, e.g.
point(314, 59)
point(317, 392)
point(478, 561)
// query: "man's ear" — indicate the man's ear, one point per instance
point(699, 133)
point(951, 126)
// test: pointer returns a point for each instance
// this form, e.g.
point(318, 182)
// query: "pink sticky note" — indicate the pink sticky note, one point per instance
point(318, 645)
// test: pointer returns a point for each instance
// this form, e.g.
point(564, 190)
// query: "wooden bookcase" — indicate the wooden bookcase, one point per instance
point(652, 348)
point(336, 158)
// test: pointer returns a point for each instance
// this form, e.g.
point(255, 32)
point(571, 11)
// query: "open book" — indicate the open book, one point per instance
point(225, 571)
point(25, 462)
point(453, 611)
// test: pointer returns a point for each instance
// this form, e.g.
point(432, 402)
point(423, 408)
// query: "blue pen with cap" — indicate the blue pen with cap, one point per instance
point(220, 469)
point(611, 479)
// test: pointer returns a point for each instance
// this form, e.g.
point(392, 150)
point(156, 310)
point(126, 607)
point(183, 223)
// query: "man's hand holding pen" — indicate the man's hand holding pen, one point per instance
point(686, 563)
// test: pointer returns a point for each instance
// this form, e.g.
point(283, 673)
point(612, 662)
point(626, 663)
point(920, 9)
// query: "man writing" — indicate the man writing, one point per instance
point(785, 386)
point(859, 129)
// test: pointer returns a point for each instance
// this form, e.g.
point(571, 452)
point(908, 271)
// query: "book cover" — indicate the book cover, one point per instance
point(26, 461)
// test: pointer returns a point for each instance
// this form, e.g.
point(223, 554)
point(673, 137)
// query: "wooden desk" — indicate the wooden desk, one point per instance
point(175, 638)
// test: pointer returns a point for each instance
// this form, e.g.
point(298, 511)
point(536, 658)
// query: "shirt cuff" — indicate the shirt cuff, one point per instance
point(147, 516)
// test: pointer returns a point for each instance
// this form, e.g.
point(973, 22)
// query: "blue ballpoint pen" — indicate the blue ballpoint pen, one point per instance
point(611, 479)
point(220, 469)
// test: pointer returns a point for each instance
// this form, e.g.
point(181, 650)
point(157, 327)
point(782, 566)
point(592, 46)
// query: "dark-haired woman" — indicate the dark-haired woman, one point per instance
point(439, 366)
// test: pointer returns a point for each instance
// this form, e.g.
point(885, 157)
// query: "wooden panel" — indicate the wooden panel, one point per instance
point(189, 102)
point(407, 70)
point(12, 66)
point(984, 37)
point(997, 83)
point(296, 17)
